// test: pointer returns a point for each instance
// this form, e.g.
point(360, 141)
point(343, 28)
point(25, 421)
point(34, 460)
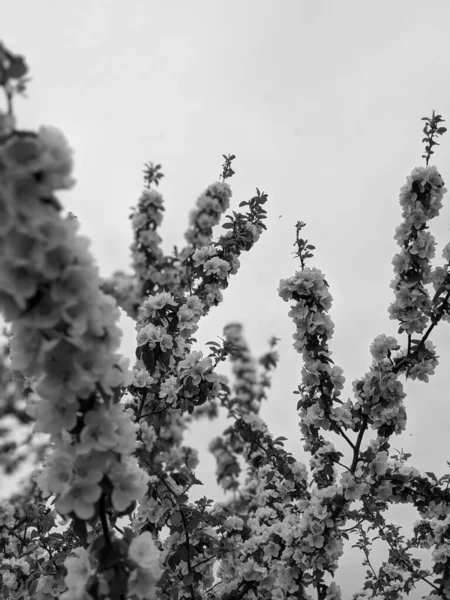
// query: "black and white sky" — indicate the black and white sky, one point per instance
point(321, 103)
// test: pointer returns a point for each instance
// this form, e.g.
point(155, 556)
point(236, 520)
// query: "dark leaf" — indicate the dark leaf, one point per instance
point(80, 528)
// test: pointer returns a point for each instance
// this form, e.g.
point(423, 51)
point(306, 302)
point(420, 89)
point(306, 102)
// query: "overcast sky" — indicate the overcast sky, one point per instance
point(321, 104)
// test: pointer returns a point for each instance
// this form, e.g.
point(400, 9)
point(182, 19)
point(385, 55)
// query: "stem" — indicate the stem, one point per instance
point(104, 521)
point(201, 562)
point(358, 444)
point(12, 532)
point(319, 587)
point(188, 547)
point(347, 439)
point(141, 406)
point(45, 545)
point(410, 568)
point(342, 465)
point(369, 564)
point(238, 595)
point(9, 101)
point(425, 337)
point(351, 528)
point(444, 578)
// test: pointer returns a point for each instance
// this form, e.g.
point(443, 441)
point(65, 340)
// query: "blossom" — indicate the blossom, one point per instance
point(53, 416)
point(142, 584)
point(217, 266)
point(446, 253)
point(56, 159)
point(129, 483)
point(80, 499)
point(196, 368)
point(382, 346)
point(169, 389)
point(98, 432)
point(57, 474)
point(202, 255)
point(9, 579)
point(79, 569)
point(20, 563)
point(144, 553)
point(6, 514)
point(233, 523)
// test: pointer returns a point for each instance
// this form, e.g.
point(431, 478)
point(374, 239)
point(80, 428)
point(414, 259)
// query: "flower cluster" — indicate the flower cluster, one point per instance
point(322, 383)
point(421, 200)
point(210, 207)
point(64, 336)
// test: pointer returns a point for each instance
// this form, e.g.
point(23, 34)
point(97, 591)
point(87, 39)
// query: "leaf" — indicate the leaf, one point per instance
point(128, 534)
point(175, 519)
point(270, 476)
point(17, 68)
point(183, 553)
point(98, 544)
point(196, 481)
point(148, 358)
point(80, 528)
point(227, 226)
point(109, 556)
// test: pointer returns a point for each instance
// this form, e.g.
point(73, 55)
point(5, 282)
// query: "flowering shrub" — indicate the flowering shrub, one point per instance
point(108, 514)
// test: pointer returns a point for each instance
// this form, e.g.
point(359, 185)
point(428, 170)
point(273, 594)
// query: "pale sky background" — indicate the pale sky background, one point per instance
point(321, 103)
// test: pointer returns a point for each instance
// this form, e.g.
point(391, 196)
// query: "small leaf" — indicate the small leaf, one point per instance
point(196, 481)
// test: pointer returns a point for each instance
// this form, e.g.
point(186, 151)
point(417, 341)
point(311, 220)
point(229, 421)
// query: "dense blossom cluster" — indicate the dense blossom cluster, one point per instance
point(64, 332)
point(119, 472)
point(154, 272)
point(421, 200)
point(210, 207)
